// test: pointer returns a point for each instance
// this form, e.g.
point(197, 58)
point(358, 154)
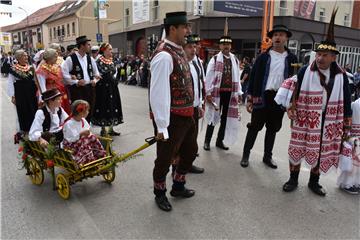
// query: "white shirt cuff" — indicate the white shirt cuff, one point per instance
point(164, 131)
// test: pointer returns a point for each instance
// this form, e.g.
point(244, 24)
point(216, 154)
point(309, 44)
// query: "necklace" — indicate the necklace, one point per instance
point(21, 68)
point(53, 68)
point(105, 60)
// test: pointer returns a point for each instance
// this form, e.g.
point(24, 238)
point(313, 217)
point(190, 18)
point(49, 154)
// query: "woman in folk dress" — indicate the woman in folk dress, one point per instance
point(50, 76)
point(108, 110)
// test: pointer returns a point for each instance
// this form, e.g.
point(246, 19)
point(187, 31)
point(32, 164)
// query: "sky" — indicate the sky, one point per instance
point(17, 14)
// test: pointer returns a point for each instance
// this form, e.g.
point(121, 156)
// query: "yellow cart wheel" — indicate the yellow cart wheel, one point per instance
point(63, 186)
point(36, 172)
point(109, 176)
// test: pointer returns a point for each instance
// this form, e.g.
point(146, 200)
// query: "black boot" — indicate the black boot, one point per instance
point(314, 185)
point(292, 184)
point(269, 145)
point(208, 135)
point(163, 203)
point(221, 145)
point(245, 160)
point(249, 143)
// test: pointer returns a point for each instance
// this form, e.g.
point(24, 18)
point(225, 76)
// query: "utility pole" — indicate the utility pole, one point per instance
point(98, 22)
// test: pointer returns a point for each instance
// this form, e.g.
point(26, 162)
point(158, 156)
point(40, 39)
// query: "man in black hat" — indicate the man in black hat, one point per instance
point(320, 114)
point(223, 92)
point(172, 110)
point(197, 74)
point(81, 74)
point(271, 68)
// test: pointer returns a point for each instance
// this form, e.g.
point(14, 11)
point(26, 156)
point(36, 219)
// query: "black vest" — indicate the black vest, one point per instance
point(47, 121)
point(77, 69)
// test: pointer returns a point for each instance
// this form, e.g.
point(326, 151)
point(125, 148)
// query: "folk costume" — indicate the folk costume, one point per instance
point(47, 123)
point(350, 180)
point(172, 110)
point(50, 77)
point(21, 85)
point(322, 103)
point(107, 110)
point(271, 68)
point(85, 148)
point(197, 74)
point(82, 67)
point(223, 84)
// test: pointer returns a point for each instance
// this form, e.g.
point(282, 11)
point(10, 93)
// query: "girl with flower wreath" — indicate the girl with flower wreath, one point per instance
point(22, 90)
point(77, 136)
point(107, 110)
point(50, 76)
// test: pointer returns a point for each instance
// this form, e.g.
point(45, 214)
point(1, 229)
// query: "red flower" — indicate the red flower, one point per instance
point(24, 157)
point(49, 163)
point(20, 149)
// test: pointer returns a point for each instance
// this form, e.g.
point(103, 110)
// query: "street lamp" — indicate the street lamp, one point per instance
point(27, 29)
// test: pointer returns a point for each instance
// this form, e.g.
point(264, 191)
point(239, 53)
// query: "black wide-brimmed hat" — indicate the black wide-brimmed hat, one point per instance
point(50, 94)
point(175, 18)
point(192, 38)
point(279, 28)
point(70, 47)
point(82, 39)
point(329, 43)
point(225, 39)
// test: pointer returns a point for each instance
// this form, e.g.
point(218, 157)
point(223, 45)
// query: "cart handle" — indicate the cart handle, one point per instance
point(150, 140)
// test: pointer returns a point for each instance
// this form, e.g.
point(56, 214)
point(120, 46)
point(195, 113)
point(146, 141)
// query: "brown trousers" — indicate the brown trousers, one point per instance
point(182, 142)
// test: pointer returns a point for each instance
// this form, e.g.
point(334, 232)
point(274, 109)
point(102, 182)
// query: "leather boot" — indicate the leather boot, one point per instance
point(208, 135)
point(269, 145)
point(245, 160)
point(314, 185)
point(292, 184)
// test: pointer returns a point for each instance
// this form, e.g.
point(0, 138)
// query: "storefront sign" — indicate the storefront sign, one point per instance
point(244, 8)
point(140, 11)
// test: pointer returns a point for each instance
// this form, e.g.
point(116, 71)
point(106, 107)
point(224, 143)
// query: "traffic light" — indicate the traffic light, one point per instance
point(7, 2)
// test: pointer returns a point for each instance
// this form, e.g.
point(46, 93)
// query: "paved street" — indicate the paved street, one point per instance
point(230, 202)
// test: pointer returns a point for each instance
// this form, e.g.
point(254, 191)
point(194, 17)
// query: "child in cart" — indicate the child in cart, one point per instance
point(77, 136)
point(49, 119)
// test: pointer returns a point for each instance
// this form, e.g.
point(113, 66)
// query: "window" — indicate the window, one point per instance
point(68, 29)
point(127, 17)
point(38, 30)
point(73, 28)
point(155, 10)
point(63, 30)
point(283, 8)
point(322, 17)
point(54, 32)
point(58, 31)
point(50, 33)
point(347, 20)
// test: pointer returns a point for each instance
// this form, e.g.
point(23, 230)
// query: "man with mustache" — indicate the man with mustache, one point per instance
point(172, 109)
point(320, 114)
point(271, 68)
point(223, 92)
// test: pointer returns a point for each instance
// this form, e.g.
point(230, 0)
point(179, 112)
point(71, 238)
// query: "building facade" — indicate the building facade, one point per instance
point(76, 18)
point(29, 33)
point(307, 19)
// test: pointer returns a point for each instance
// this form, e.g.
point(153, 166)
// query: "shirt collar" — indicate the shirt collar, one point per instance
point(78, 54)
point(49, 110)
